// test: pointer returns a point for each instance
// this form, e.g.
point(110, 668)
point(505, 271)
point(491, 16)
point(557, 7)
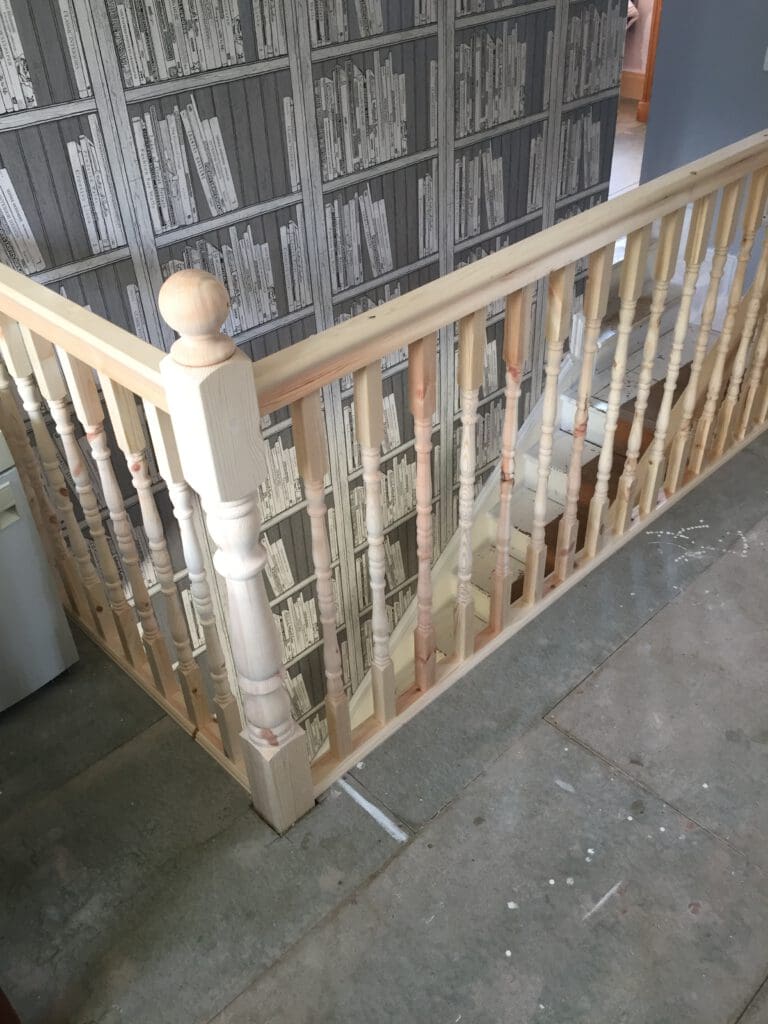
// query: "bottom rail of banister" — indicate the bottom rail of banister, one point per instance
point(371, 733)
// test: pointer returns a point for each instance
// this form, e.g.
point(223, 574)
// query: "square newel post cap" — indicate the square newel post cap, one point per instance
point(211, 392)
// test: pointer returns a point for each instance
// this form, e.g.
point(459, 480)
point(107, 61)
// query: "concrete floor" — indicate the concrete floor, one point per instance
point(585, 821)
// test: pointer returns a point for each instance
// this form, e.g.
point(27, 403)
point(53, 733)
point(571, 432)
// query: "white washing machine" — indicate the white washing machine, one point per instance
point(36, 642)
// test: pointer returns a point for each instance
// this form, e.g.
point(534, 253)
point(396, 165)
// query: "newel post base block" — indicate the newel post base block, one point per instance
point(280, 780)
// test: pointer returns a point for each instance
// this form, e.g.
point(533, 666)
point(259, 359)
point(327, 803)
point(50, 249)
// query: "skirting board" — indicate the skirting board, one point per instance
point(632, 85)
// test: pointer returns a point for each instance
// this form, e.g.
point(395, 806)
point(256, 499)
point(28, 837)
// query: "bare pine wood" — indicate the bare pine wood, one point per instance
point(595, 305)
point(558, 325)
point(753, 382)
point(753, 212)
point(133, 443)
point(312, 457)
point(695, 250)
point(517, 334)
point(169, 465)
point(630, 286)
point(215, 414)
point(89, 411)
point(43, 458)
point(471, 355)
point(422, 393)
point(726, 222)
point(53, 389)
point(285, 376)
point(666, 259)
point(729, 403)
point(369, 427)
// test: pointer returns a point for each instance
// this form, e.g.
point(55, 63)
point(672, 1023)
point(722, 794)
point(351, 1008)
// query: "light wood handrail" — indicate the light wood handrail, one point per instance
point(294, 373)
point(113, 351)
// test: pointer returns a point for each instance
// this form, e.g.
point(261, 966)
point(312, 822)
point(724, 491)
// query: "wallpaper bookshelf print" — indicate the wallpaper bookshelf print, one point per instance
point(320, 157)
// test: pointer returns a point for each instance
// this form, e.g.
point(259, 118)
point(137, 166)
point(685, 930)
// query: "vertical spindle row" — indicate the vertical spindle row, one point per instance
point(558, 324)
point(664, 268)
point(182, 501)
point(630, 286)
point(517, 331)
point(54, 504)
point(369, 427)
point(51, 385)
point(88, 409)
point(595, 305)
point(695, 251)
point(724, 231)
point(132, 442)
point(471, 355)
point(753, 212)
point(728, 407)
point(753, 382)
point(312, 458)
point(422, 387)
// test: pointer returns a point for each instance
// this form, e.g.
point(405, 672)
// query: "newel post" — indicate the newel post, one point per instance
point(215, 413)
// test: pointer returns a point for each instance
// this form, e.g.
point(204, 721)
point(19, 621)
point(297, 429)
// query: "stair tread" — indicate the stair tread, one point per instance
point(521, 507)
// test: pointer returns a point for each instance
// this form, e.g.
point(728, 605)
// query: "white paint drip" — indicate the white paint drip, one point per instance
point(565, 785)
point(690, 547)
point(512, 905)
point(389, 826)
point(603, 900)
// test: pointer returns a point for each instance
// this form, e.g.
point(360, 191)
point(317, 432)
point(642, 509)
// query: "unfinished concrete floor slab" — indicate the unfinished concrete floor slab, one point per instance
point(560, 858)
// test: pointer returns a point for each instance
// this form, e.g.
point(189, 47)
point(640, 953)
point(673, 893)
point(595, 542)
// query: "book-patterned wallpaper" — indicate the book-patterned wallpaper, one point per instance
point(319, 157)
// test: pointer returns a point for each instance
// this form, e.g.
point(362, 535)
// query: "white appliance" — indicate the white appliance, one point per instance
point(36, 642)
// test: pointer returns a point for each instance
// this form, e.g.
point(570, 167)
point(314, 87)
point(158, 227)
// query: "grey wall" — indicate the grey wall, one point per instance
point(709, 85)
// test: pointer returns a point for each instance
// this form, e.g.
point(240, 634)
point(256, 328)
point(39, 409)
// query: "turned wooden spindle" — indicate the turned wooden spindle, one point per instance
point(730, 401)
point(422, 388)
point(517, 333)
point(666, 259)
point(369, 427)
point(753, 382)
point(54, 504)
point(472, 338)
point(558, 325)
point(132, 442)
point(182, 500)
point(695, 251)
point(215, 413)
point(753, 212)
point(52, 387)
point(762, 401)
point(595, 305)
point(312, 458)
point(724, 231)
point(89, 411)
point(630, 285)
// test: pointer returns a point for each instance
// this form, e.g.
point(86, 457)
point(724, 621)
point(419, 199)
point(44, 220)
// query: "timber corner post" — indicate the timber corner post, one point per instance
point(214, 408)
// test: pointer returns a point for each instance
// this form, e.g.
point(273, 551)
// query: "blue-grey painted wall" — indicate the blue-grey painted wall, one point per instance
point(709, 85)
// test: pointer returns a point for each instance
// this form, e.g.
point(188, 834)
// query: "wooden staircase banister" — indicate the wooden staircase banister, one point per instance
point(286, 376)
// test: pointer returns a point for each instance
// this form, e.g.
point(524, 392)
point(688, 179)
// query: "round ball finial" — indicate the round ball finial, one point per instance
point(195, 304)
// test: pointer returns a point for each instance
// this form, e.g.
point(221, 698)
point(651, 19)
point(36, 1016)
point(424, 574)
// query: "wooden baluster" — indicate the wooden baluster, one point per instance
point(595, 305)
point(169, 465)
point(422, 388)
point(632, 274)
point(50, 382)
point(517, 332)
point(666, 259)
point(558, 324)
point(471, 353)
point(18, 365)
point(762, 410)
point(88, 409)
point(132, 442)
point(695, 250)
point(754, 381)
point(369, 425)
point(726, 223)
point(312, 458)
point(215, 414)
point(740, 361)
point(753, 212)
